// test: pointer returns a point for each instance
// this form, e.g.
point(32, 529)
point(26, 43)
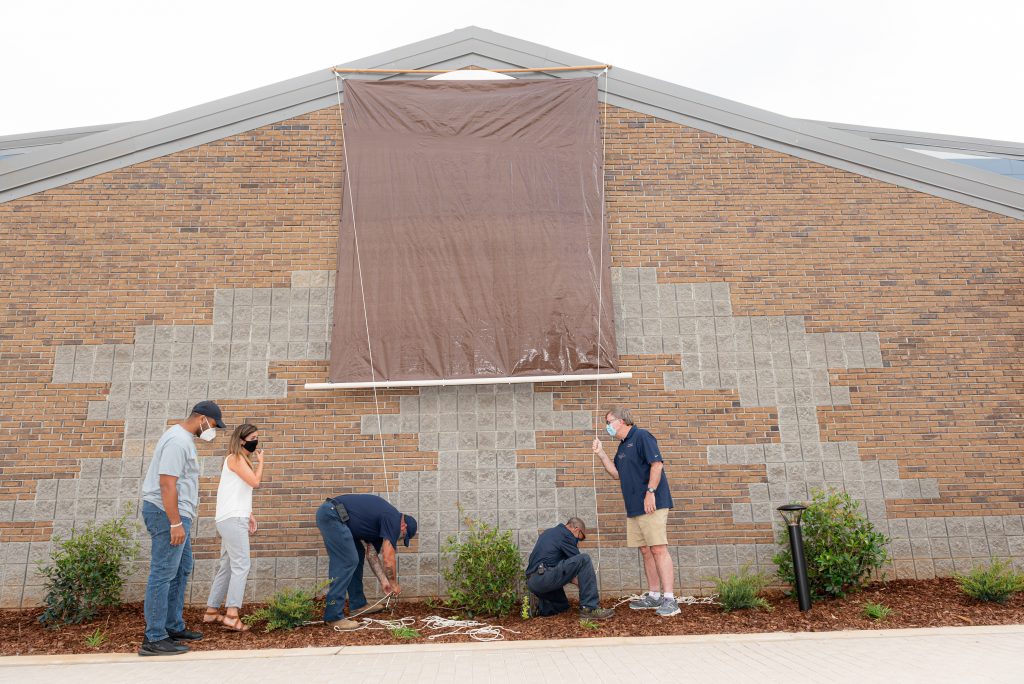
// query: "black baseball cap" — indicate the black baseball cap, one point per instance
point(210, 410)
point(410, 528)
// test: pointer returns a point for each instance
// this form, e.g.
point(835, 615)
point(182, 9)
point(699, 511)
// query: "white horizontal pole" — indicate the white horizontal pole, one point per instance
point(512, 380)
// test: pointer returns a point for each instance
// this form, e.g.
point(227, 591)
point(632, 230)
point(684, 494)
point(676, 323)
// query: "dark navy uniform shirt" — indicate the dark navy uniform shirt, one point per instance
point(371, 519)
point(633, 460)
point(552, 547)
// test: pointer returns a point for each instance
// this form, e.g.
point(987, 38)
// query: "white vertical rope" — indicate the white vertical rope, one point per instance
point(362, 288)
point(600, 311)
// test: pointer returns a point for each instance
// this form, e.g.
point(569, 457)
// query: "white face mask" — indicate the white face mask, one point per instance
point(208, 434)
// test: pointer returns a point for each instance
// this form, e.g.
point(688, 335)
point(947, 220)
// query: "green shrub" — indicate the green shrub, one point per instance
point(287, 609)
point(740, 591)
point(485, 575)
point(996, 582)
point(876, 611)
point(589, 624)
point(840, 545)
point(87, 570)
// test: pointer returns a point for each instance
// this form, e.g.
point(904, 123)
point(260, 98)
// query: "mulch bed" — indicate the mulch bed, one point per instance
point(915, 603)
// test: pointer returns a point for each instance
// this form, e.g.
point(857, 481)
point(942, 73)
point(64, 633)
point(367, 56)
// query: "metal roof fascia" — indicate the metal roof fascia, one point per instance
point(54, 137)
point(936, 140)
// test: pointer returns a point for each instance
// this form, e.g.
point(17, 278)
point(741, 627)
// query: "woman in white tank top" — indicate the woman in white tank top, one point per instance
point(235, 522)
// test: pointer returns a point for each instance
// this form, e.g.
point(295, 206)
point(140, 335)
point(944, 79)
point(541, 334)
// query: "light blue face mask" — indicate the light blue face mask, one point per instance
point(610, 429)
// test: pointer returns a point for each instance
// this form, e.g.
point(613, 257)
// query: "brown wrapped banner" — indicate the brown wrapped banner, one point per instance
point(476, 210)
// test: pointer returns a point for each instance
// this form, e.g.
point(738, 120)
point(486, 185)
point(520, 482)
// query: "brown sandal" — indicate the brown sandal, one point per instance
point(209, 618)
point(235, 624)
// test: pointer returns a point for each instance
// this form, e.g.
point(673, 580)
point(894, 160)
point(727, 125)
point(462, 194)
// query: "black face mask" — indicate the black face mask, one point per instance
point(250, 446)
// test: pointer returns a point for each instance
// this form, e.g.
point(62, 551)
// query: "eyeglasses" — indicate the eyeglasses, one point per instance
point(613, 420)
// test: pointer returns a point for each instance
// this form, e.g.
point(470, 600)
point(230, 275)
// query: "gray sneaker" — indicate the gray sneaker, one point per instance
point(668, 607)
point(645, 602)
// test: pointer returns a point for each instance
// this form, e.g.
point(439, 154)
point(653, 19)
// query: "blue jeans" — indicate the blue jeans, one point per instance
point(169, 568)
point(548, 587)
point(345, 566)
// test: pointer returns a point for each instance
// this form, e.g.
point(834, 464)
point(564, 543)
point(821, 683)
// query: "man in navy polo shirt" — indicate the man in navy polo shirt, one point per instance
point(357, 527)
point(556, 561)
point(640, 470)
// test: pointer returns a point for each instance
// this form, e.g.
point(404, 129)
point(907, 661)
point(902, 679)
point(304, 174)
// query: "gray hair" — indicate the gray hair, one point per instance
point(622, 413)
point(577, 523)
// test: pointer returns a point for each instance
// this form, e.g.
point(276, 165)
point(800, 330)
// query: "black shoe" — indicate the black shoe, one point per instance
point(184, 635)
point(162, 647)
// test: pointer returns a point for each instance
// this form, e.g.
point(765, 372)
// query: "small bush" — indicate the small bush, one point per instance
point(287, 609)
point(841, 546)
point(405, 633)
point(995, 583)
point(87, 570)
point(740, 591)
point(876, 611)
point(589, 624)
point(486, 574)
point(524, 610)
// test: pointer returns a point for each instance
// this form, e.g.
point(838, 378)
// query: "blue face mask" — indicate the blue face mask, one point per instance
point(610, 429)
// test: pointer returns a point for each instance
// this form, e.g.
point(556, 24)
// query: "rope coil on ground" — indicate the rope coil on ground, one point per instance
point(478, 631)
point(681, 600)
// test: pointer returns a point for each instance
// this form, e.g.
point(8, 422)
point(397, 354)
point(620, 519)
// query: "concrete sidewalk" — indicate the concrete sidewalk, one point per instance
point(948, 654)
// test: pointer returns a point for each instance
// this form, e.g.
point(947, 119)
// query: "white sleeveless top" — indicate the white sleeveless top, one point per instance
point(234, 496)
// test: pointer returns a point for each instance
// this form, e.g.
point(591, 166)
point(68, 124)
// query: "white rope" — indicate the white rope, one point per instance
point(600, 311)
point(478, 631)
point(681, 600)
point(374, 624)
point(362, 289)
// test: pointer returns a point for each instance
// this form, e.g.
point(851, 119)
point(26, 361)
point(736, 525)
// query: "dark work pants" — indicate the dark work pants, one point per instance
point(548, 587)
point(344, 559)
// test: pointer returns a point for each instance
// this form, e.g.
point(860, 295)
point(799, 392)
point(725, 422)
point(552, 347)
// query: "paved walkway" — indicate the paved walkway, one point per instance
point(951, 654)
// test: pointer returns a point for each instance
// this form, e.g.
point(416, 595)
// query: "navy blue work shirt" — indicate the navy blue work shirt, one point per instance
point(633, 460)
point(371, 519)
point(552, 547)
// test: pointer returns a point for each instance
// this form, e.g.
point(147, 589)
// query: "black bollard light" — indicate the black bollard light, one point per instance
point(792, 513)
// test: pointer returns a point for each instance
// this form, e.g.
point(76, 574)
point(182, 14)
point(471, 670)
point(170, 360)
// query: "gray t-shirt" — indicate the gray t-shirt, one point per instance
point(175, 454)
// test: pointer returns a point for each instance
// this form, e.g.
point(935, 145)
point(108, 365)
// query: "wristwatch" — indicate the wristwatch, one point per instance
point(651, 490)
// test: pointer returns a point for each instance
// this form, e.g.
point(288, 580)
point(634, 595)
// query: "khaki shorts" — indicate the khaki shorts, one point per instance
point(650, 529)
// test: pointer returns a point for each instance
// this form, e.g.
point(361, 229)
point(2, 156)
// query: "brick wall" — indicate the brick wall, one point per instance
point(788, 325)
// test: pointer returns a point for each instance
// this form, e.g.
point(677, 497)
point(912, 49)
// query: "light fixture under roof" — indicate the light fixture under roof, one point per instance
point(470, 75)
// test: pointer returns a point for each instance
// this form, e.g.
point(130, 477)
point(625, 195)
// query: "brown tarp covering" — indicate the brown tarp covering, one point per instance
point(477, 208)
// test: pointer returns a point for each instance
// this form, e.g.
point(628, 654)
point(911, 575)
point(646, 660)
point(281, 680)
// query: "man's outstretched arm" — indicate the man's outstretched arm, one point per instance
point(373, 560)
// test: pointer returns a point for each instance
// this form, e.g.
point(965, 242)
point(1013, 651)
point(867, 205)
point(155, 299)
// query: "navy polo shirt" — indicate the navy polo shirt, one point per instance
point(371, 519)
point(633, 460)
point(552, 547)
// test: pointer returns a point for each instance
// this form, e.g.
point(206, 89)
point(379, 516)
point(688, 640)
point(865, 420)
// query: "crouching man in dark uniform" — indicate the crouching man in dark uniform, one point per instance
point(556, 561)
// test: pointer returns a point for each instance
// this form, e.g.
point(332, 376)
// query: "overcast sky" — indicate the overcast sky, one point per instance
point(939, 66)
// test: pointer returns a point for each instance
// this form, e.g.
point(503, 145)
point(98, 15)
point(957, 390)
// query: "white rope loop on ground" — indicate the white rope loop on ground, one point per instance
point(478, 631)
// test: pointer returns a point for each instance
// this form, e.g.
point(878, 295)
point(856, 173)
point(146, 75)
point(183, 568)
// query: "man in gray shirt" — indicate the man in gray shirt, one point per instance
point(170, 499)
